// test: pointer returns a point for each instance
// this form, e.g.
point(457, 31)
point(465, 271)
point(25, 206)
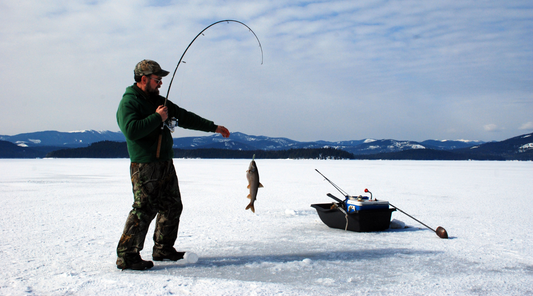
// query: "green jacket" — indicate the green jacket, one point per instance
point(141, 125)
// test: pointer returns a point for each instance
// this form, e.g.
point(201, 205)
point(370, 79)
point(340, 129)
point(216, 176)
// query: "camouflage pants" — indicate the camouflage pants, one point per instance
point(156, 192)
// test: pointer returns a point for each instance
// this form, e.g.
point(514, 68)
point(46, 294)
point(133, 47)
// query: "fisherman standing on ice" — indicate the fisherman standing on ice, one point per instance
point(140, 116)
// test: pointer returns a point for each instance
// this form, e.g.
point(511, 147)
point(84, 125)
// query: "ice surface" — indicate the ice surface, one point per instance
point(62, 218)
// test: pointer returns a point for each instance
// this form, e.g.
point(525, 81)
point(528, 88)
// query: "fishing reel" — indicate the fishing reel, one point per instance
point(171, 123)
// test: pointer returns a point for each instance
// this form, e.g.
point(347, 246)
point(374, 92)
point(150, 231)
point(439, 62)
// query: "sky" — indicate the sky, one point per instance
point(332, 70)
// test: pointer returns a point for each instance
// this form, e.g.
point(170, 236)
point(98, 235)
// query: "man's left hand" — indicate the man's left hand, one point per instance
point(223, 131)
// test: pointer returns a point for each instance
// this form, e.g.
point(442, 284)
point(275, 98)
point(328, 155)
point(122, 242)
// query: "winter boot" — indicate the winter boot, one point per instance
point(134, 262)
point(167, 254)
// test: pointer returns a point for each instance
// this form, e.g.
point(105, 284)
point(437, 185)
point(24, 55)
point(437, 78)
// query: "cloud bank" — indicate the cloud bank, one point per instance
point(333, 70)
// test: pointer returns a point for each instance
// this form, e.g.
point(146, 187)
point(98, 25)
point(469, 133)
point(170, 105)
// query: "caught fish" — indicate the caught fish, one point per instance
point(253, 184)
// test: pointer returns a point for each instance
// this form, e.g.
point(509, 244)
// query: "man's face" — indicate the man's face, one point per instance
point(153, 84)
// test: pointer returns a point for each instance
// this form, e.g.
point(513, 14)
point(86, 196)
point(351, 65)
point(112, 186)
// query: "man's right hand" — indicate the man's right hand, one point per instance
point(163, 111)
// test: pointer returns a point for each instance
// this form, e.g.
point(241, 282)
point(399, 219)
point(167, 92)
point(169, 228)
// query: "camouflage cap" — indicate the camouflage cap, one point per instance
point(147, 67)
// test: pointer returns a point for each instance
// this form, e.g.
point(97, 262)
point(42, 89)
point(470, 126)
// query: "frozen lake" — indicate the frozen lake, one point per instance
point(62, 218)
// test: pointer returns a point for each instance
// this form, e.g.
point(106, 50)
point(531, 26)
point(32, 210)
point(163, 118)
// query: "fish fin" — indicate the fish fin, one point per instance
point(248, 186)
point(249, 196)
point(260, 185)
point(251, 207)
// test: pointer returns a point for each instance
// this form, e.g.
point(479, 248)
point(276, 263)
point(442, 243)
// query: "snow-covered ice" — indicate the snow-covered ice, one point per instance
point(61, 220)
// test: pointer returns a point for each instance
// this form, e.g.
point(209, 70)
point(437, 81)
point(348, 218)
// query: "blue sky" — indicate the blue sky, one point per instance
point(333, 70)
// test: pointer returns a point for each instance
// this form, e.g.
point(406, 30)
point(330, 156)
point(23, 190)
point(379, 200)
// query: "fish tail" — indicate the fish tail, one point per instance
point(251, 207)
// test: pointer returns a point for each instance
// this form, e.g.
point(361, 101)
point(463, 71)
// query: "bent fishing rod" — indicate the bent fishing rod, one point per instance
point(181, 60)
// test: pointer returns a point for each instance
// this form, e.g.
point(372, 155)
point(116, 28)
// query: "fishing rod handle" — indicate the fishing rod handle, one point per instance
point(158, 152)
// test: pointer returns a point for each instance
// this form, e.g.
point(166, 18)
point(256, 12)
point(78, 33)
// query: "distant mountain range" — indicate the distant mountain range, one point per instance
point(240, 141)
point(63, 139)
point(41, 144)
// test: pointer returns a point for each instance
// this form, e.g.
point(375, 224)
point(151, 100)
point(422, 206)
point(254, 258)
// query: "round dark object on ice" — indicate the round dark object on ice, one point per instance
point(441, 232)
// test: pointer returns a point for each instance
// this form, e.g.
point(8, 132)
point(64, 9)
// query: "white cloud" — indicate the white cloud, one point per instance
point(493, 128)
point(527, 126)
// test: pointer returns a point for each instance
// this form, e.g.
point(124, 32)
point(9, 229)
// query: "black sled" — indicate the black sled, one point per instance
point(355, 213)
point(335, 216)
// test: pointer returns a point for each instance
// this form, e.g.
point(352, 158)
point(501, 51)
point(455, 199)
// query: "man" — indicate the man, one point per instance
point(140, 116)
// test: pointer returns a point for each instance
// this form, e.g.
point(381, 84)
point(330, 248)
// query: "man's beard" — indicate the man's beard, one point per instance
point(151, 90)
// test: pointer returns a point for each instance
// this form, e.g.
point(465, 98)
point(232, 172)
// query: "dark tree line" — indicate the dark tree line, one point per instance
point(109, 149)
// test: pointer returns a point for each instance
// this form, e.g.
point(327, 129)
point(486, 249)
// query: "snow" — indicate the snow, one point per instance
point(62, 218)
point(403, 144)
point(525, 147)
point(416, 146)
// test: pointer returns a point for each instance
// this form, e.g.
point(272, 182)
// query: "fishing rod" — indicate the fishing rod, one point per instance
point(181, 60)
point(334, 185)
point(201, 33)
point(440, 231)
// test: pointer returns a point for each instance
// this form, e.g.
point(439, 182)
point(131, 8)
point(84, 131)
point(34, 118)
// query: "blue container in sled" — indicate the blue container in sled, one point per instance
point(353, 205)
point(375, 217)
